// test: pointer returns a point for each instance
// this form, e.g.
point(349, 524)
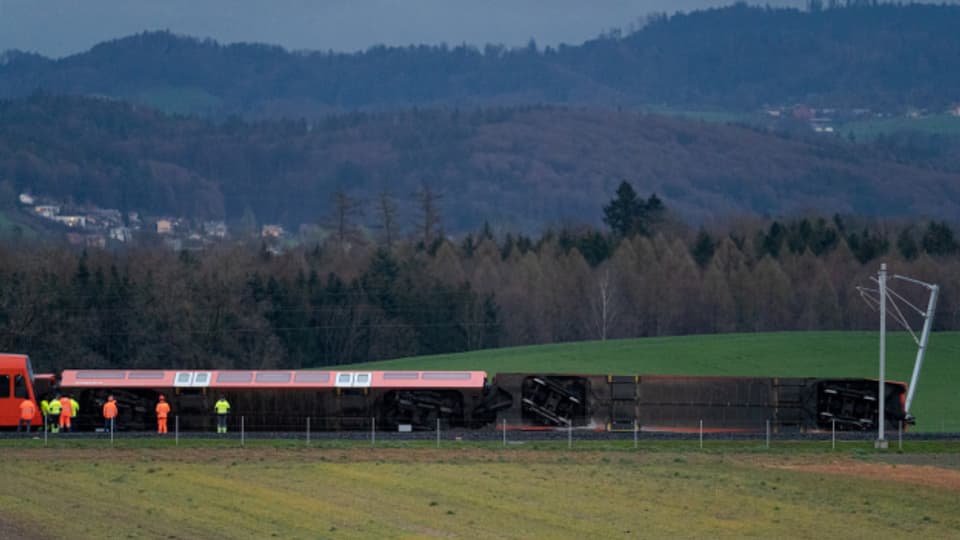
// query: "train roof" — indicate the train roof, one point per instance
point(12, 361)
point(242, 379)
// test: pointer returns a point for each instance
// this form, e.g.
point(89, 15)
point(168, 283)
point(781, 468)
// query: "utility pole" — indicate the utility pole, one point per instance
point(881, 442)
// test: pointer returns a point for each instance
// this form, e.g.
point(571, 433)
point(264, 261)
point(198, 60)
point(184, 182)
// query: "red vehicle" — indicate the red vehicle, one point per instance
point(16, 384)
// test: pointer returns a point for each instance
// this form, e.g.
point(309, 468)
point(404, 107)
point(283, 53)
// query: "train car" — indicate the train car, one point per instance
point(681, 403)
point(350, 400)
point(283, 400)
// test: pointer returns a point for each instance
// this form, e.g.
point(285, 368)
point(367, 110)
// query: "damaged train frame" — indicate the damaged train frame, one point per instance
point(419, 400)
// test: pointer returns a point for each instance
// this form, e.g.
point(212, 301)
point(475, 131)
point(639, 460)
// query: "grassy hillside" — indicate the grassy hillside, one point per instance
point(794, 354)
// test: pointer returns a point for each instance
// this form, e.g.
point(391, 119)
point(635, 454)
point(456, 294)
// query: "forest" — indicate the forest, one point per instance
point(520, 169)
point(884, 57)
point(344, 300)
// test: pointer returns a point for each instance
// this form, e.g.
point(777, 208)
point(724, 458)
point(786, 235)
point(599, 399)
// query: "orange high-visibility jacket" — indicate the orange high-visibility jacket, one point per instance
point(66, 407)
point(162, 409)
point(110, 409)
point(27, 410)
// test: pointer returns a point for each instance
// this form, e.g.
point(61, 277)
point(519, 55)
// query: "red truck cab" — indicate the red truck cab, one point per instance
point(16, 384)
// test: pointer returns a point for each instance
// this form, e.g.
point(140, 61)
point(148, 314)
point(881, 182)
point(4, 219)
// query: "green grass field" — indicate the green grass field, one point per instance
point(937, 124)
point(468, 493)
point(788, 354)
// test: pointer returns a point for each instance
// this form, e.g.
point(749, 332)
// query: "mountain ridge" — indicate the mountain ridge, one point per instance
point(524, 168)
point(738, 57)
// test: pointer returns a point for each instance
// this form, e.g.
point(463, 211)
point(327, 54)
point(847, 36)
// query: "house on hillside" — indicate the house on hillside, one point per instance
point(48, 211)
point(121, 234)
point(271, 231)
point(164, 226)
point(79, 222)
point(955, 110)
point(215, 229)
point(26, 199)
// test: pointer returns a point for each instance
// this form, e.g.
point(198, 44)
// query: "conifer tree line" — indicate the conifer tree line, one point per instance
point(240, 306)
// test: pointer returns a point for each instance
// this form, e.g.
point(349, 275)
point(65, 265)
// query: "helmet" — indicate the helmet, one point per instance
point(161, 397)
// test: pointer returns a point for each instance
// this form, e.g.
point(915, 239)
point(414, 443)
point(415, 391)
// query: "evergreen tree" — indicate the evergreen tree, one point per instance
point(623, 210)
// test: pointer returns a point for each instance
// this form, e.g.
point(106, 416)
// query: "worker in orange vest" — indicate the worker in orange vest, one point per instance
point(66, 411)
point(163, 408)
point(110, 415)
point(27, 411)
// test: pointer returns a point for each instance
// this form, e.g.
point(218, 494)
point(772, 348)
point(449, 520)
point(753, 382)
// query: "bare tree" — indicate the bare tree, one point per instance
point(346, 210)
point(604, 303)
point(429, 227)
point(387, 216)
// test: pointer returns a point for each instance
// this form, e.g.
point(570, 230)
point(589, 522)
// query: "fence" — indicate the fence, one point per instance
point(315, 430)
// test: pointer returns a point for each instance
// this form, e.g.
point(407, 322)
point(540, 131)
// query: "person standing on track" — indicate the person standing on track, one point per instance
point(27, 411)
point(222, 408)
point(110, 415)
point(163, 408)
point(66, 412)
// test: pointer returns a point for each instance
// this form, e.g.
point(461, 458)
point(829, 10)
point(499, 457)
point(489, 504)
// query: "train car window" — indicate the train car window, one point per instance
point(234, 377)
point(101, 375)
point(312, 377)
point(446, 376)
point(145, 375)
point(20, 387)
point(4, 386)
point(401, 376)
point(273, 377)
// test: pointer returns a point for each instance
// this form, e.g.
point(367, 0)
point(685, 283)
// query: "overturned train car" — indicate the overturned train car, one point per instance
point(350, 400)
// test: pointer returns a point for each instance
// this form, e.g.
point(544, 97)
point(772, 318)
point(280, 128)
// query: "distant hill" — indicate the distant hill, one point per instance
point(885, 57)
point(520, 168)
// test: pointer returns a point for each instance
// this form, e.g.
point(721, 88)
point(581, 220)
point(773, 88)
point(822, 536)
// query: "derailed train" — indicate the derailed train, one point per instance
point(348, 400)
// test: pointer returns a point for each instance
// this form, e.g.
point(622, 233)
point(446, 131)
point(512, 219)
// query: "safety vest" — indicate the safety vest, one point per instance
point(45, 407)
point(110, 409)
point(27, 409)
point(54, 407)
point(75, 407)
point(66, 406)
point(162, 409)
point(222, 406)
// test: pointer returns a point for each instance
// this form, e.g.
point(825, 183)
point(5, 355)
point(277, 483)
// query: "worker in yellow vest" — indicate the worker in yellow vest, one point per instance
point(74, 410)
point(222, 407)
point(45, 412)
point(54, 414)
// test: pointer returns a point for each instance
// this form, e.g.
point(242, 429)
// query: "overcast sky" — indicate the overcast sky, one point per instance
point(63, 27)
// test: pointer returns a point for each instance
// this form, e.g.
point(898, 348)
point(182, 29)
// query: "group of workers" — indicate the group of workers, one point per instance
point(60, 412)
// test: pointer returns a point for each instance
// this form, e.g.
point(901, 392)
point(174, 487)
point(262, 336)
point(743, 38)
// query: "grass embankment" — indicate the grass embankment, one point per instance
point(785, 354)
point(474, 493)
